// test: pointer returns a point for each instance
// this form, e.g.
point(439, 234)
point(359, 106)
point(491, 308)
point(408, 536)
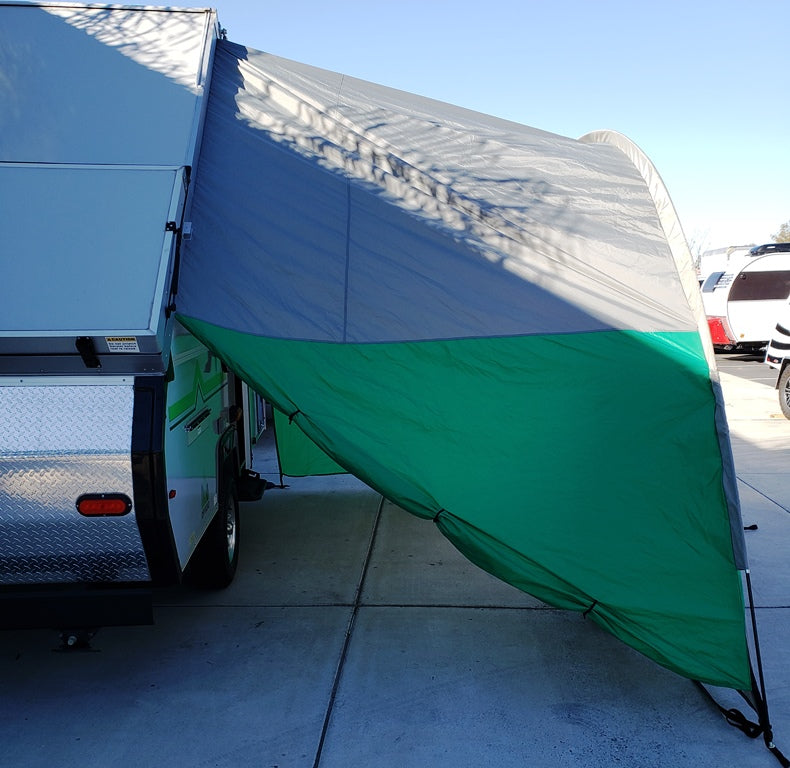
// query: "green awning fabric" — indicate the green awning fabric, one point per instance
point(494, 326)
point(298, 455)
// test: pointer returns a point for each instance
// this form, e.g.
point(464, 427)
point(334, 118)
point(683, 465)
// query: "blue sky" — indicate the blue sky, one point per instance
point(700, 85)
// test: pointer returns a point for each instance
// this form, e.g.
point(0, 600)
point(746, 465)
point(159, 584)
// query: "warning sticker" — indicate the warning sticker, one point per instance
point(122, 343)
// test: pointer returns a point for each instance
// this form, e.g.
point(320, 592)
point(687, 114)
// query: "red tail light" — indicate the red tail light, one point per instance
point(720, 332)
point(103, 504)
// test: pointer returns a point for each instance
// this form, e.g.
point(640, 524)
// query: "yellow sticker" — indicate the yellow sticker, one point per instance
point(122, 343)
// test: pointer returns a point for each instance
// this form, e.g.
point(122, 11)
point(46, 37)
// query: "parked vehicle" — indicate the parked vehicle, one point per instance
point(718, 259)
point(743, 300)
point(124, 443)
point(777, 355)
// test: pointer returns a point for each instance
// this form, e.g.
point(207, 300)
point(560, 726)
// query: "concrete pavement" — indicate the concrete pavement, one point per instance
point(356, 636)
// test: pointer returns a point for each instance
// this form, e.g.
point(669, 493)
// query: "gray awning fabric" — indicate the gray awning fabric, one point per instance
point(375, 215)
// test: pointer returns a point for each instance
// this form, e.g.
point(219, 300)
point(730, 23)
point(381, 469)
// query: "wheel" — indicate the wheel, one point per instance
point(216, 558)
point(784, 391)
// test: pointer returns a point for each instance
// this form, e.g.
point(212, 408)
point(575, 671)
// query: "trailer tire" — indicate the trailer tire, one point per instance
point(216, 558)
point(783, 385)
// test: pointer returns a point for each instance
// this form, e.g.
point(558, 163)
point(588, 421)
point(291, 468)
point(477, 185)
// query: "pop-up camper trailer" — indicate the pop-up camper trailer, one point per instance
point(121, 436)
point(420, 290)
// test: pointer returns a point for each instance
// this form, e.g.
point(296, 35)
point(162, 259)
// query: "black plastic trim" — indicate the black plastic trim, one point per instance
point(149, 480)
point(75, 606)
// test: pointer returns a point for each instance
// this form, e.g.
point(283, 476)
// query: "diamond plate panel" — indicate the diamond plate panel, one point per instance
point(56, 443)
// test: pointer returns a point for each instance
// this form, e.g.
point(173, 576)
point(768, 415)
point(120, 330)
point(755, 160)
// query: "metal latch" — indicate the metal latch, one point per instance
point(87, 350)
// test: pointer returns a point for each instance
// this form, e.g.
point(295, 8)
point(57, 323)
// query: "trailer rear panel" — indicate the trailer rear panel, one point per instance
point(58, 444)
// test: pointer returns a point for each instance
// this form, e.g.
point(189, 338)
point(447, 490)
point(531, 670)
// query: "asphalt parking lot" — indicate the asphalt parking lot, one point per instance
point(749, 366)
point(355, 635)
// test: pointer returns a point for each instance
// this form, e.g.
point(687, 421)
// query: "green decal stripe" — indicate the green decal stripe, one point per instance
point(203, 386)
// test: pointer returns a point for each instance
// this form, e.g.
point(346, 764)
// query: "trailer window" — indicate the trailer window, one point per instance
point(761, 286)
